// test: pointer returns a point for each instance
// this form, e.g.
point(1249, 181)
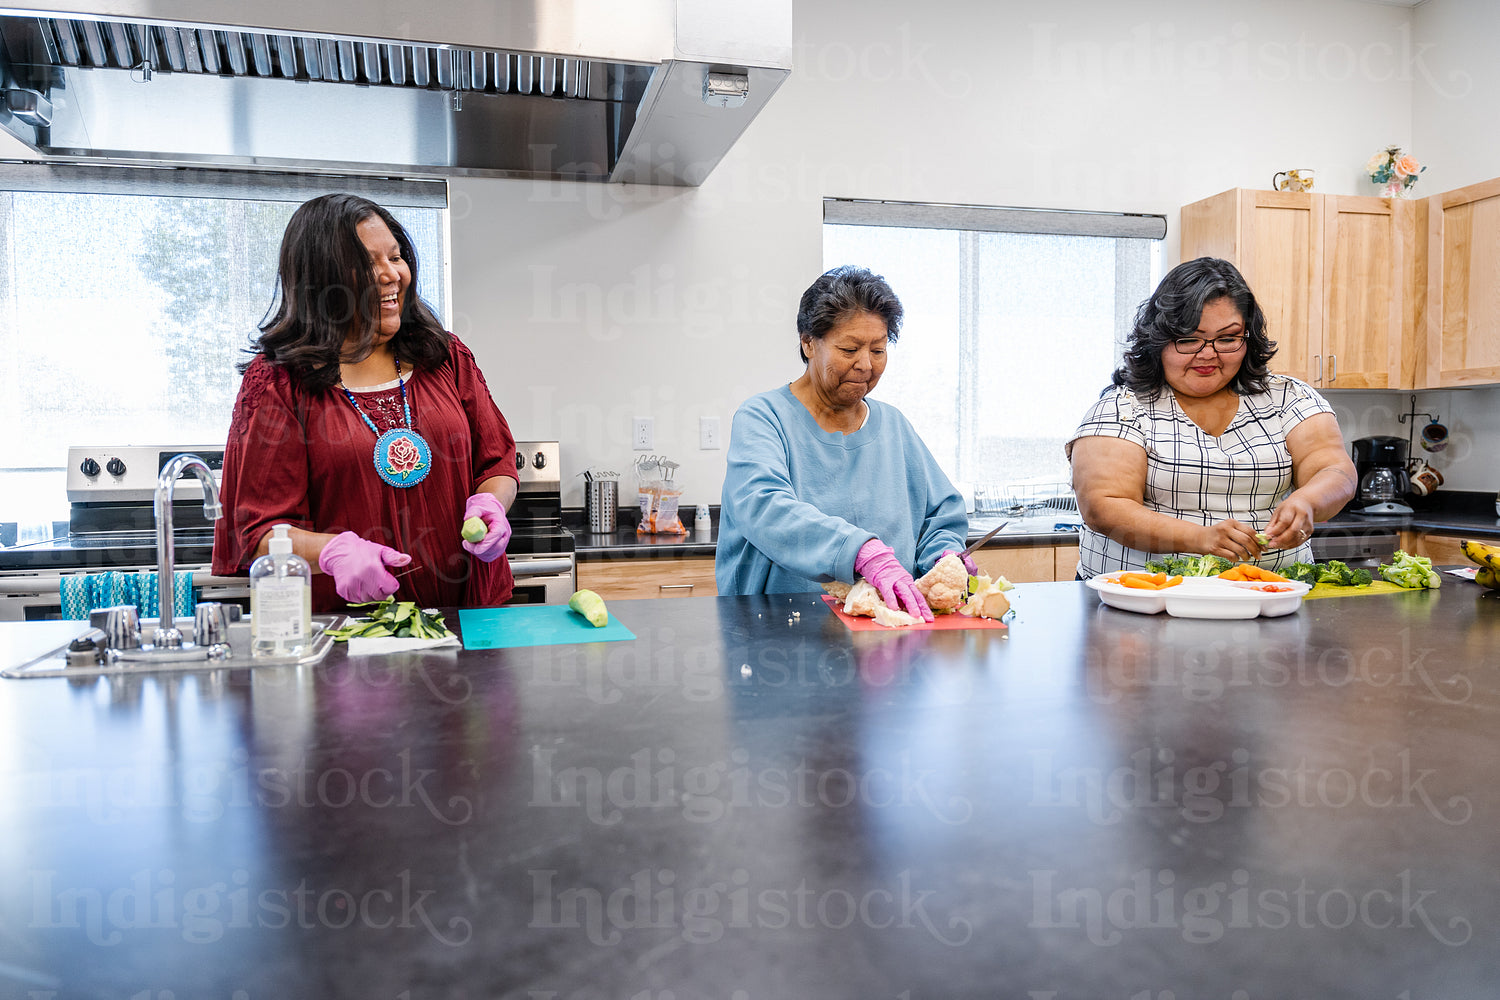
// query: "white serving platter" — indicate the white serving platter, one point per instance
point(1204, 597)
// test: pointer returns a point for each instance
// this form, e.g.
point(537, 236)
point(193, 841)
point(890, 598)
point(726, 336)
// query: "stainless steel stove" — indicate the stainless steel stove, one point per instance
point(112, 526)
point(541, 549)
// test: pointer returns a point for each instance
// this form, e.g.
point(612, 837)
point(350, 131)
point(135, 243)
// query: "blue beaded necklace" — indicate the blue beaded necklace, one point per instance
point(402, 457)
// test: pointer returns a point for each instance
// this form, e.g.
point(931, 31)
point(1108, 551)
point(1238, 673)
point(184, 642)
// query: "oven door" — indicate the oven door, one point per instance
point(543, 579)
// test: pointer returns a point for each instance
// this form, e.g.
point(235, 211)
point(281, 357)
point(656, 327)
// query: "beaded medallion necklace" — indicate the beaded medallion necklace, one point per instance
point(402, 457)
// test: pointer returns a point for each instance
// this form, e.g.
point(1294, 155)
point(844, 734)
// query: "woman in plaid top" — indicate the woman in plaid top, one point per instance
point(1196, 446)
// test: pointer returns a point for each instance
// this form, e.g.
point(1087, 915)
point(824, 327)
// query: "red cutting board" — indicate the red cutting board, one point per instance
point(861, 624)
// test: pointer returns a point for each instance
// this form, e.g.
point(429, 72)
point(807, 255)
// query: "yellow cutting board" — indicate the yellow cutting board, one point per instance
point(1334, 590)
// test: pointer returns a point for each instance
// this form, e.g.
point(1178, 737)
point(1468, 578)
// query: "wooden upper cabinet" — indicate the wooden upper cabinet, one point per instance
point(1368, 312)
point(1275, 238)
point(1330, 274)
point(1463, 286)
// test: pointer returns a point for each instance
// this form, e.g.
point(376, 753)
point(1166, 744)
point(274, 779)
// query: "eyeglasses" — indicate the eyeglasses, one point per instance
point(1221, 345)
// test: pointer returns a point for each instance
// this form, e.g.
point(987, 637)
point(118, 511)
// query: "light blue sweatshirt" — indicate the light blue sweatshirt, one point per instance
point(799, 501)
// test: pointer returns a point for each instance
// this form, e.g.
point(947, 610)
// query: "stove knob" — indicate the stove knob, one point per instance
point(539, 460)
point(89, 468)
point(115, 467)
point(520, 461)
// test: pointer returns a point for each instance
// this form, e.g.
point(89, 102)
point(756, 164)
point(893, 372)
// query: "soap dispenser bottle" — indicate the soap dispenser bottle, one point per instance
point(280, 600)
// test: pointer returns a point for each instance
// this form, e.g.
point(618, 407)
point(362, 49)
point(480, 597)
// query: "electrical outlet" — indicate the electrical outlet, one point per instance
point(642, 436)
point(708, 433)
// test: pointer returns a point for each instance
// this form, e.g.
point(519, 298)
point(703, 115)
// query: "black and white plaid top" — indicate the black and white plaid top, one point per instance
point(1190, 474)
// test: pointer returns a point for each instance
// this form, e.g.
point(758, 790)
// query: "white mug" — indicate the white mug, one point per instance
point(1424, 478)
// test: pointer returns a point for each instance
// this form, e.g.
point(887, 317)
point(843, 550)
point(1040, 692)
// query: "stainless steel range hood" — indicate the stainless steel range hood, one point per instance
point(640, 91)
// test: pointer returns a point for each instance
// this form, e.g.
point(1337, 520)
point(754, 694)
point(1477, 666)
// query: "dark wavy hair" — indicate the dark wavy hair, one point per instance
point(1175, 309)
point(843, 292)
point(326, 290)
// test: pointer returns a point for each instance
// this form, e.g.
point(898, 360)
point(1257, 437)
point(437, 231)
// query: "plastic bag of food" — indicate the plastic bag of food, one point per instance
point(659, 497)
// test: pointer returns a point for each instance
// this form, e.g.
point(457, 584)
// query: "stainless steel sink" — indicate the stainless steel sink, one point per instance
point(58, 662)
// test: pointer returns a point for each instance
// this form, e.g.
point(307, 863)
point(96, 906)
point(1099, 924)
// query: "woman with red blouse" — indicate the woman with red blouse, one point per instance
point(366, 427)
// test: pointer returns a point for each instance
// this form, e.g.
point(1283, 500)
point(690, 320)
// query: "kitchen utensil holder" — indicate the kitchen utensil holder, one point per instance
point(601, 503)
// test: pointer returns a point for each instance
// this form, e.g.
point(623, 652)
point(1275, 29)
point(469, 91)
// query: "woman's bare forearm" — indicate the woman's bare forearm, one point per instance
point(1132, 524)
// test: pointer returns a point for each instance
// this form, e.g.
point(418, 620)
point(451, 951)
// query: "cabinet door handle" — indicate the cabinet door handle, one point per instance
point(675, 586)
point(1319, 359)
point(1333, 368)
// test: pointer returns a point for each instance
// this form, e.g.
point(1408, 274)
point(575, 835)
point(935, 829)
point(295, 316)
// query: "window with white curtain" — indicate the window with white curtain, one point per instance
point(127, 296)
point(1015, 319)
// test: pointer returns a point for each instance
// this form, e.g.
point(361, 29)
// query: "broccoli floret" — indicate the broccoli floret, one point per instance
point(1302, 572)
point(1411, 572)
point(1189, 565)
point(1213, 565)
point(1335, 572)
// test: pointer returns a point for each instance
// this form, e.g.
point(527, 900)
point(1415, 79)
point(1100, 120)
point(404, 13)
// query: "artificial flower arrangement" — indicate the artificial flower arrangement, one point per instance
point(1394, 170)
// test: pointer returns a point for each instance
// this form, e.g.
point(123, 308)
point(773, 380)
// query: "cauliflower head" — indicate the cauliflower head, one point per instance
point(946, 585)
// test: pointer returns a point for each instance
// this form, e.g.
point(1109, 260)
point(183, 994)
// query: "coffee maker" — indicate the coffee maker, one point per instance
point(1380, 464)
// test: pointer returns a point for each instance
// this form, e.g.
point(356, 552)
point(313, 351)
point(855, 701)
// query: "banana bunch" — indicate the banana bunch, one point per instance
point(1487, 557)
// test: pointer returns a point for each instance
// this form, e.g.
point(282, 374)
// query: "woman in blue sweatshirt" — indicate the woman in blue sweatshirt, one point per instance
point(824, 484)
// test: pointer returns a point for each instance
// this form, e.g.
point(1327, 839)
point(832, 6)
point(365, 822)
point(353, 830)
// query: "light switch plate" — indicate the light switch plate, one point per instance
point(708, 433)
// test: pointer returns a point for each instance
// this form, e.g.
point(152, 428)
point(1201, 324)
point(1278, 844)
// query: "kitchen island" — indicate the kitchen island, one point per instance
point(747, 800)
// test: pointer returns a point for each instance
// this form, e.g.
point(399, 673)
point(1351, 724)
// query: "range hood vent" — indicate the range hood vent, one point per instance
point(646, 92)
point(146, 48)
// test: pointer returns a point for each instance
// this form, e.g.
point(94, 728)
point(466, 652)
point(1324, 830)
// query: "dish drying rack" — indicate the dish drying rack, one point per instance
point(1024, 498)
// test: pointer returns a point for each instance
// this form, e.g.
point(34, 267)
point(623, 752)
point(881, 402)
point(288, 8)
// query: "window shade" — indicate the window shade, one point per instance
point(1056, 222)
point(192, 182)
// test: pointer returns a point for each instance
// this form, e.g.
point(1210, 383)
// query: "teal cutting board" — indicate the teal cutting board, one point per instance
point(533, 625)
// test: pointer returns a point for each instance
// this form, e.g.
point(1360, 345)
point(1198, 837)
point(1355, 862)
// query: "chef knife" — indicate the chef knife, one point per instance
point(982, 539)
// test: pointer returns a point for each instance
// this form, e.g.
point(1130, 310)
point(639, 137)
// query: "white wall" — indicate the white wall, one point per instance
point(1455, 79)
point(588, 305)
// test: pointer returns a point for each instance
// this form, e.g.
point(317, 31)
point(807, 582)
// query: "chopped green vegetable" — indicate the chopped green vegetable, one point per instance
point(1302, 572)
point(1411, 572)
point(1189, 565)
point(1262, 539)
point(474, 529)
point(402, 619)
point(591, 606)
point(1333, 572)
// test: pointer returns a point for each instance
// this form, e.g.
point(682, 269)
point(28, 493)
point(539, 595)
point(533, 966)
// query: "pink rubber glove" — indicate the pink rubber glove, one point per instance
point(877, 563)
point(968, 562)
point(358, 567)
point(497, 534)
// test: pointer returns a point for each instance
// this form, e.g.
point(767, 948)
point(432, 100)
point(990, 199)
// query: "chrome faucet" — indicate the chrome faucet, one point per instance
point(167, 635)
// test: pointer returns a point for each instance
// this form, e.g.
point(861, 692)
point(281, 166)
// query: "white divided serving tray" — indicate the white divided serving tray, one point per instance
point(1204, 597)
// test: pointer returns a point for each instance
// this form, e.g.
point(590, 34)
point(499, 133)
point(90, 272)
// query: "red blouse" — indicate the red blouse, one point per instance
point(307, 459)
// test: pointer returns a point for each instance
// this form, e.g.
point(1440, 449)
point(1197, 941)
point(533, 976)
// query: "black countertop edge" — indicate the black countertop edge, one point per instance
point(1443, 513)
